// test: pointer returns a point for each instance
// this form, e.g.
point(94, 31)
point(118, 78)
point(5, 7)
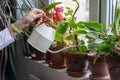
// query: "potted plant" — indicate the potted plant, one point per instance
point(113, 58)
point(108, 44)
point(98, 66)
point(57, 60)
point(76, 59)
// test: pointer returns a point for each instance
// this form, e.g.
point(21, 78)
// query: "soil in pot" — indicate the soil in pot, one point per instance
point(99, 70)
point(77, 64)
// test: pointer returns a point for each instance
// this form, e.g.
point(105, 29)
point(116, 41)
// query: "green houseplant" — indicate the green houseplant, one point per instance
point(98, 65)
point(107, 43)
point(77, 64)
point(114, 57)
point(93, 31)
point(57, 60)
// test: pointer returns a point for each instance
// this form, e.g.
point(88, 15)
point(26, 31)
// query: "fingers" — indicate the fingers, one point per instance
point(39, 15)
point(34, 16)
point(37, 11)
point(37, 22)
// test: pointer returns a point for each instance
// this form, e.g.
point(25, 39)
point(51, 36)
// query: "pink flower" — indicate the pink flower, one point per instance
point(58, 9)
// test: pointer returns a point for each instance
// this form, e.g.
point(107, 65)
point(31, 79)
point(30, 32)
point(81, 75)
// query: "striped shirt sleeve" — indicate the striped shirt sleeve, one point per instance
point(5, 38)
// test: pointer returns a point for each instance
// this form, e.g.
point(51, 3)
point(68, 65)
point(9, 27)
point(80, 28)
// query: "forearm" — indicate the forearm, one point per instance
point(19, 24)
point(8, 34)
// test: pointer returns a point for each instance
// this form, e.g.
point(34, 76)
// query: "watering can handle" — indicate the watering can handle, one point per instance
point(63, 49)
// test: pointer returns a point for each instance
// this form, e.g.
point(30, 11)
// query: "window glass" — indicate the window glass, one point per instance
point(113, 8)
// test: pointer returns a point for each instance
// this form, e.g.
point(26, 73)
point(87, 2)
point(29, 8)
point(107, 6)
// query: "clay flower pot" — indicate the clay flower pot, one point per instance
point(117, 49)
point(57, 59)
point(99, 70)
point(37, 55)
point(48, 57)
point(113, 63)
point(77, 64)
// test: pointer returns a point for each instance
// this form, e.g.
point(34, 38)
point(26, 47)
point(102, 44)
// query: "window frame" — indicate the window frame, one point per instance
point(101, 11)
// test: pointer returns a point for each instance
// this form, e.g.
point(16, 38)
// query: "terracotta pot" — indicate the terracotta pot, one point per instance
point(113, 63)
point(77, 64)
point(57, 59)
point(48, 57)
point(117, 48)
point(37, 55)
point(99, 70)
point(99, 78)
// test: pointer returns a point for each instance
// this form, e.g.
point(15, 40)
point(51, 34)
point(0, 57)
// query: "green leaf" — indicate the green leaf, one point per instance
point(103, 48)
point(78, 31)
point(82, 42)
point(99, 41)
point(70, 37)
point(62, 27)
point(31, 27)
point(94, 26)
point(92, 35)
point(72, 24)
point(83, 49)
point(92, 45)
point(50, 6)
point(58, 36)
point(68, 12)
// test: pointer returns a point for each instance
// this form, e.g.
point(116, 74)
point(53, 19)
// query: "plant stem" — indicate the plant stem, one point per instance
point(73, 16)
point(75, 10)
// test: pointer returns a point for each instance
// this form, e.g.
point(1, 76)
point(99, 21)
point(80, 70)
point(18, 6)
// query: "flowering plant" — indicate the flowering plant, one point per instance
point(72, 29)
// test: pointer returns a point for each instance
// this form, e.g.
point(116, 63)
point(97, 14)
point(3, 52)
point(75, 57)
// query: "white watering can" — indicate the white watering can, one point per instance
point(42, 37)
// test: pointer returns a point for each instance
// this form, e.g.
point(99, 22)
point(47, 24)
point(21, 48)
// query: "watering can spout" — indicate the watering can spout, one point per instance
point(60, 50)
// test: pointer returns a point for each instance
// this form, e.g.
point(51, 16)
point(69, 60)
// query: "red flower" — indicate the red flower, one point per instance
point(58, 14)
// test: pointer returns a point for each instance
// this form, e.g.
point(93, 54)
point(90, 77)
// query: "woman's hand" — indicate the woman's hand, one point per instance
point(34, 16)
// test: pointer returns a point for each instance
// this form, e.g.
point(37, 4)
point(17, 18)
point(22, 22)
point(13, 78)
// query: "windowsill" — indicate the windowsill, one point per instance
point(58, 71)
point(26, 66)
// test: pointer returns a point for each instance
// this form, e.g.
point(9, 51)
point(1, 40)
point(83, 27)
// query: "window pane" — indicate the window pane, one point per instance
point(83, 12)
point(113, 10)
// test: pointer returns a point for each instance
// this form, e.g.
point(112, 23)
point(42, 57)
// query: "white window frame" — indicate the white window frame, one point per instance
point(101, 11)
